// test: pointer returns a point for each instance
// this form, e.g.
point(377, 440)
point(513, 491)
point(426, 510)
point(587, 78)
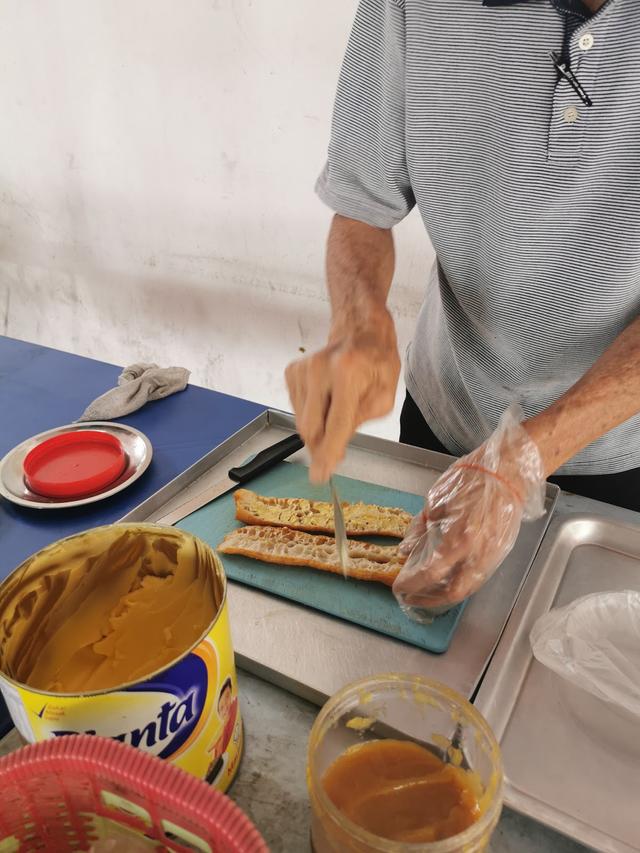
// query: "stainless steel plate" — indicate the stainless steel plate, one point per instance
point(313, 654)
point(572, 761)
point(13, 487)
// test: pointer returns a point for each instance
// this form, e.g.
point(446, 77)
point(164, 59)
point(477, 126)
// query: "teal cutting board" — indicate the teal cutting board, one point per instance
point(371, 605)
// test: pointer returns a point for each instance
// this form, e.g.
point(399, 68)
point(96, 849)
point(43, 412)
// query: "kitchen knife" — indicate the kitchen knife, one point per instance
point(261, 462)
point(340, 531)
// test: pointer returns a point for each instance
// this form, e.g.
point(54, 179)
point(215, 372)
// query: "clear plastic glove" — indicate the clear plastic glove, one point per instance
point(470, 520)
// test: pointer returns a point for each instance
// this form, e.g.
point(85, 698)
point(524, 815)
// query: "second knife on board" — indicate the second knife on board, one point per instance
point(242, 474)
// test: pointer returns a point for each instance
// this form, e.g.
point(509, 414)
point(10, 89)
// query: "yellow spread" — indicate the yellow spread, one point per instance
point(400, 791)
point(317, 516)
point(106, 608)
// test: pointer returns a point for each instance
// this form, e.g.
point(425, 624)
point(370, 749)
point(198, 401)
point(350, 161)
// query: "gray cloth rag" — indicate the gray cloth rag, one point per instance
point(137, 384)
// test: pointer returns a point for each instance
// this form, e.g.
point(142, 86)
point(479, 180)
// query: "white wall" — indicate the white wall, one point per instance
point(157, 162)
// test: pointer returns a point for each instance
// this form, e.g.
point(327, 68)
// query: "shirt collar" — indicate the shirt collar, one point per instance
point(571, 7)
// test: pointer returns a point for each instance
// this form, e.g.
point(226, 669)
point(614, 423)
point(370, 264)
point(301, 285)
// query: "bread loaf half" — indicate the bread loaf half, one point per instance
point(317, 516)
point(295, 548)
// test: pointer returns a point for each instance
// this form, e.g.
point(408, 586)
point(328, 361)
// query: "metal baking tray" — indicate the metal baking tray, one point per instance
point(572, 761)
point(136, 445)
point(313, 654)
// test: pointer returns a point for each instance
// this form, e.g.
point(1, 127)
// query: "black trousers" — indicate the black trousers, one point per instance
point(618, 489)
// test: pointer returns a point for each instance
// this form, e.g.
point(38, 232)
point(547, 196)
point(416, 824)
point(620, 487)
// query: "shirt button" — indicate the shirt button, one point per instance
point(571, 115)
point(586, 41)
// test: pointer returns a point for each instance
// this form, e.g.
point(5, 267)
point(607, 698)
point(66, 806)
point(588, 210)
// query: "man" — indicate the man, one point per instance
point(228, 714)
point(513, 125)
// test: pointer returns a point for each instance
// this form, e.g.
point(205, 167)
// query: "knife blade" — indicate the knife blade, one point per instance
point(243, 473)
point(340, 530)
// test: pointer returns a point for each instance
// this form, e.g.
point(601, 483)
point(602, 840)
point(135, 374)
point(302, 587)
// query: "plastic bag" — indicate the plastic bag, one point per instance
point(470, 521)
point(594, 643)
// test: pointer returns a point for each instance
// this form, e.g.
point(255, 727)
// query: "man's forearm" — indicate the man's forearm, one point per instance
point(606, 396)
point(360, 264)
point(353, 378)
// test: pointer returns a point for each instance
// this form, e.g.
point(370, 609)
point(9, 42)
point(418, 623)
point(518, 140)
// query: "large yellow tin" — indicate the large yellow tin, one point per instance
point(187, 712)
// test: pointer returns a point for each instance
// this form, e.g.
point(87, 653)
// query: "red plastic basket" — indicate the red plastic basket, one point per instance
point(70, 793)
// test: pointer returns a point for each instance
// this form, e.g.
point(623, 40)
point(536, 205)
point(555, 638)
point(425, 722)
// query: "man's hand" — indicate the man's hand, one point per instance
point(471, 519)
point(472, 515)
point(352, 380)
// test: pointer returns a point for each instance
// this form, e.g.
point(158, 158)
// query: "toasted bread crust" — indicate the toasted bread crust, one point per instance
point(317, 516)
point(288, 547)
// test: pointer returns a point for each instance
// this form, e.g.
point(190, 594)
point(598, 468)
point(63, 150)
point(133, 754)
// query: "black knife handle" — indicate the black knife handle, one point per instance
point(266, 458)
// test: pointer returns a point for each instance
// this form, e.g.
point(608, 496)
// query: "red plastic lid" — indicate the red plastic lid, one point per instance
point(74, 464)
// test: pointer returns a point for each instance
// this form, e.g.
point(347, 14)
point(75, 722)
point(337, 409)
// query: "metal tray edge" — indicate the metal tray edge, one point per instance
point(284, 420)
point(158, 499)
point(563, 823)
point(562, 534)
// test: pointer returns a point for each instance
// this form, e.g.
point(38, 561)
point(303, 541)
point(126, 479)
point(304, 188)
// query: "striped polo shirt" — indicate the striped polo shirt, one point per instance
point(530, 197)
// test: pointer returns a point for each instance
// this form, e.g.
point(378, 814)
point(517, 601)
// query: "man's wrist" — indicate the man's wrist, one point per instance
point(372, 323)
point(543, 432)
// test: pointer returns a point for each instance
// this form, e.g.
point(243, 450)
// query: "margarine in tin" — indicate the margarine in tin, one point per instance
point(123, 631)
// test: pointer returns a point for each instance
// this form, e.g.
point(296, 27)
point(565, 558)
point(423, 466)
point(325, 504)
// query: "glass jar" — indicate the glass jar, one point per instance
point(404, 707)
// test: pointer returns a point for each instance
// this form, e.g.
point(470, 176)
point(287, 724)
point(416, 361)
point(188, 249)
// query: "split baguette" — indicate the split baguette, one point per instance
point(295, 548)
point(317, 516)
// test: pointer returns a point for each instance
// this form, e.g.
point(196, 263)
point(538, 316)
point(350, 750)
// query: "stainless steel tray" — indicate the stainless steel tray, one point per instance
point(312, 654)
point(13, 487)
point(572, 761)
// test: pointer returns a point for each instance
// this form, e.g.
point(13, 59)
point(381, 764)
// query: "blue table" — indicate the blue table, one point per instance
point(42, 388)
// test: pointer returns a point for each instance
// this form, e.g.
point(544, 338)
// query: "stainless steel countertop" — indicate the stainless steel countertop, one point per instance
point(571, 760)
point(270, 787)
point(302, 649)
